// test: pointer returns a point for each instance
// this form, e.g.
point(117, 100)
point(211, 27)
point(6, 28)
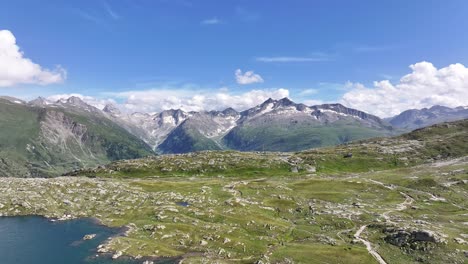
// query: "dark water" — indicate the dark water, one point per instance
point(184, 204)
point(31, 239)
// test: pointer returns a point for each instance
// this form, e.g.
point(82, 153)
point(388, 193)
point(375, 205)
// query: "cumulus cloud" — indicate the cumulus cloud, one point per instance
point(16, 69)
point(425, 86)
point(189, 100)
point(248, 77)
point(98, 103)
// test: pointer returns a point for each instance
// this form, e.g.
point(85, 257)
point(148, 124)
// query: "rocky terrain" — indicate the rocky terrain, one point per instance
point(392, 200)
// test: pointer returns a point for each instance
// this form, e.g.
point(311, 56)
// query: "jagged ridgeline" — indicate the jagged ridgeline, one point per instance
point(38, 139)
point(275, 125)
point(282, 125)
point(417, 118)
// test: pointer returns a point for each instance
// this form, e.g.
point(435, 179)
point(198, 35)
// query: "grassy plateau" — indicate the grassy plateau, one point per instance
point(388, 200)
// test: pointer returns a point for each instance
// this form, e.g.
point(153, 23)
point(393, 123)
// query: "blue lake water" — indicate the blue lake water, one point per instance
point(32, 239)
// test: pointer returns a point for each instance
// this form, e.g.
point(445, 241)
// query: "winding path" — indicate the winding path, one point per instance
point(400, 207)
point(369, 248)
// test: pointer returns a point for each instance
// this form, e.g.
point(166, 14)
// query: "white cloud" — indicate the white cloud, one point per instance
point(98, 103)
point(16, 69)
point(425, 86)
point(248, 77)
point(189, 100)
point(211, 21)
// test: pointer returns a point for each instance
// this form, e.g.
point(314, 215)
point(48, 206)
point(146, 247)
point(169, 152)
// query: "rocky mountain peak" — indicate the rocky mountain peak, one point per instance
point(111, 109)
point(40, 101)
point(173, 113)
point(78, 104)
point(230, 112)
point(272, 104)
point(75, 101)
point(268, 101)
point(285, 102)
point(172, 116)
point(440, 108)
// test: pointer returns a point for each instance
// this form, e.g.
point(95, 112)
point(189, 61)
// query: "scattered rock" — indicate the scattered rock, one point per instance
point(117, 255)
point(402, 238)
point(310, 169)
point(460, 241)
point(161, 227)
point(148, 227)
point(89, 236)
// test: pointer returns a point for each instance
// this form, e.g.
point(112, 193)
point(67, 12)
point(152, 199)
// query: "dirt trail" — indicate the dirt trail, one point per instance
point(400, 207)
point(369, 248)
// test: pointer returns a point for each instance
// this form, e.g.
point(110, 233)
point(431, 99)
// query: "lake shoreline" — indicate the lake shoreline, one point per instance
point(109, 253)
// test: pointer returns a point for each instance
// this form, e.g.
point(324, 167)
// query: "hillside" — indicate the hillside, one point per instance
point(438, 142)
point(42, 140)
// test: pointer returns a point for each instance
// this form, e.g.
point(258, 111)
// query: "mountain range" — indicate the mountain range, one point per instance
point(418, 118)
point(42, 137)
point(274, 125)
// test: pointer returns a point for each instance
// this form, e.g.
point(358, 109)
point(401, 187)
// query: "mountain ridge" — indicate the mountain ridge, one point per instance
point(283, 121)
point(40, 139)
point(418, 118)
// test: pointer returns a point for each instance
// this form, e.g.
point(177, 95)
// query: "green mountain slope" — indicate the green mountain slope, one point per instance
point(185, 139)
point(296, 136)
point(47, 141)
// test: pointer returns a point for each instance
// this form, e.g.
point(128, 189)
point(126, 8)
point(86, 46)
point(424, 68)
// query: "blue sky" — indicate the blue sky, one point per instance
point(325, 48)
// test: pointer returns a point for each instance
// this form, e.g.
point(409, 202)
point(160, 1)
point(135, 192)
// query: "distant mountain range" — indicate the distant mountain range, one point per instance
point(417, 118)
point(274, 125)
point(41, 137)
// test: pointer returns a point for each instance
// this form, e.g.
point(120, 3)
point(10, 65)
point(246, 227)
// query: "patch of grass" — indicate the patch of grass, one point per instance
point(318, 253)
